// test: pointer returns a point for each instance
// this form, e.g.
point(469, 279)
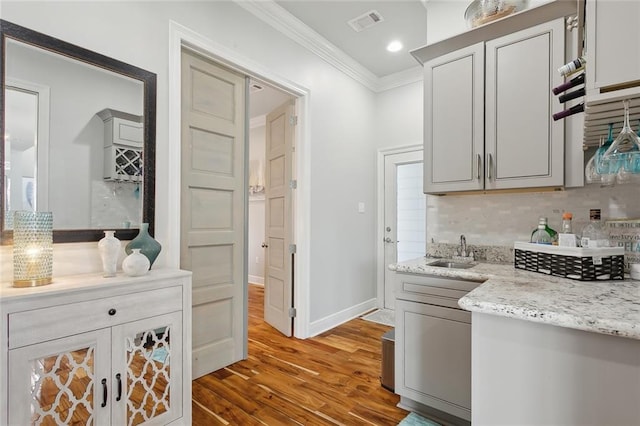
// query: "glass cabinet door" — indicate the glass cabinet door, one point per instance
point(61, 382)
point(143, 352)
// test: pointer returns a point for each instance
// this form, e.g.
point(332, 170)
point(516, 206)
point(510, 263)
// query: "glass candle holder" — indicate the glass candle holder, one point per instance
point(32, 248)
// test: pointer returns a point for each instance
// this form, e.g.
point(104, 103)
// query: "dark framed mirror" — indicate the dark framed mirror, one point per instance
point(78, 133)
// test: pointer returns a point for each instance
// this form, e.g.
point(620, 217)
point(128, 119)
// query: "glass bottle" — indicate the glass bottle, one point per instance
point(541, 235)
point(567, 228)
point(595, 233)
point(567, 238)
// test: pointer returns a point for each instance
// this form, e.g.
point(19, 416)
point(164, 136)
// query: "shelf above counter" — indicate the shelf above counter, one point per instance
point(599, 114)
point(498, 28)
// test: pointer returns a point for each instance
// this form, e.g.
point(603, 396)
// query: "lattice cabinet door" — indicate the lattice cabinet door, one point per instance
point(62, 381)
point(143, 352)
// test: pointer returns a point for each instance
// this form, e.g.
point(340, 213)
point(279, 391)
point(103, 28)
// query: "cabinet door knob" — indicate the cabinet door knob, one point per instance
point(112, 311)
point(264, 245)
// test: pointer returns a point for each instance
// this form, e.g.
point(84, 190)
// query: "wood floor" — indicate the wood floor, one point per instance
point(331, 379)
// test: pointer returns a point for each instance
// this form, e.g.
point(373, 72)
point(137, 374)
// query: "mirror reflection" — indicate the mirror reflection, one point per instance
point(78, 137)
point(21, 117)
point(84, 189)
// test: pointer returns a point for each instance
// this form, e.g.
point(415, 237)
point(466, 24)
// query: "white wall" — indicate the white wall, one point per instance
point(399, 116)
point(341, 125)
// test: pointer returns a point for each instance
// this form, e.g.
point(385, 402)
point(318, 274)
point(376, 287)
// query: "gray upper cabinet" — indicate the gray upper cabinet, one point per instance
point(454, 121)
point(613, 66)
point(524, 146)
point(488, 109)
point(613, 49)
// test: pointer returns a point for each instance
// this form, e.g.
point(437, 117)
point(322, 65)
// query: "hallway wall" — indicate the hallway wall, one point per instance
point(339, 138)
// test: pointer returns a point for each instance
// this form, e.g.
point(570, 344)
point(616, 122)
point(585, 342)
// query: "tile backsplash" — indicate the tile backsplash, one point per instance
point(501, 219)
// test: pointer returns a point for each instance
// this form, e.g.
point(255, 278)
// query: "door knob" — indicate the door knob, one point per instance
point(265, 245)
point(389, 240)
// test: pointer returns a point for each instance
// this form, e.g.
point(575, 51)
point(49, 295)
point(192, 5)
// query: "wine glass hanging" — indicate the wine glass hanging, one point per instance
point(616, 161)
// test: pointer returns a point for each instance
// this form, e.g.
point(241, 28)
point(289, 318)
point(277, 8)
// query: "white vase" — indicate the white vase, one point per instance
point(135, 264)
point(109, 248)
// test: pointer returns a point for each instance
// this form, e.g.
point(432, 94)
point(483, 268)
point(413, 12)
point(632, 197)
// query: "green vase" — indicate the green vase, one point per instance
point(145, 242)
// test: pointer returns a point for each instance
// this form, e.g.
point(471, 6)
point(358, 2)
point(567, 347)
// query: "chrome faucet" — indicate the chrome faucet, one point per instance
point(463, 246)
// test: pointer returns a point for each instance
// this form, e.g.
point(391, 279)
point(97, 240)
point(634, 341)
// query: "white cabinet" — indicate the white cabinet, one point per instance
point(488, 111)
point(123, 145)
point(433, 346)
point(102, 351)
point(613, 49)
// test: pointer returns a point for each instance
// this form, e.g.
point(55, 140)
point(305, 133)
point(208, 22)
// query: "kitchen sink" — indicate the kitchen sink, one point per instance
point(451, 265)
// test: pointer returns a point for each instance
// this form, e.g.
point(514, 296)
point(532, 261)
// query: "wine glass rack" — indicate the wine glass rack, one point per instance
point(599, 114)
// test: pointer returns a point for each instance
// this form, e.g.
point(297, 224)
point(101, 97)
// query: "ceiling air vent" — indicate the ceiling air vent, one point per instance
point(365, 21)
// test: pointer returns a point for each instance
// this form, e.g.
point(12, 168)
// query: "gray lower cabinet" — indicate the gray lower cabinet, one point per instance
point(433, 346)
point(434, 367)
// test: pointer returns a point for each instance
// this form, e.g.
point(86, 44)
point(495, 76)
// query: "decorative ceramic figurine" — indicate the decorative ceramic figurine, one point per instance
point(145, 242)
point(109, 248)
point(135, 264)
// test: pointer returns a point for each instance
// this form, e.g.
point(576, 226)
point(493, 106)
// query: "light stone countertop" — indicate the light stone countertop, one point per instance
point(607, 307)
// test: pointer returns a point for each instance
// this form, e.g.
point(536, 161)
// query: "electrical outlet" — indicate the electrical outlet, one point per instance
point(360, 207)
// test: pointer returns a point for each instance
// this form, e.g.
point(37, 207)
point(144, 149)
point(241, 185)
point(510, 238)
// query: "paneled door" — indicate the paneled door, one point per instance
point(405, 215)
point(278, 291)
point(212, 207)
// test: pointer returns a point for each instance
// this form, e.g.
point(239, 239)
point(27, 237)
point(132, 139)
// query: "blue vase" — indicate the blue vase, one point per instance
point(145, 242)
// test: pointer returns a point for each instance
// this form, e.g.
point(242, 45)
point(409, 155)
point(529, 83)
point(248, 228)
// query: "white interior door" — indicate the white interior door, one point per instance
point(278, 286)
point(213, 192)
point(405, 214)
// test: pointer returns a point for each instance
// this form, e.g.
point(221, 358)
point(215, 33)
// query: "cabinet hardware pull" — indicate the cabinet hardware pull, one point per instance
point(112, 312)
point(104, 393)
point(479, 165)
point(118, 376)
point(489, 165)
point(265, 245)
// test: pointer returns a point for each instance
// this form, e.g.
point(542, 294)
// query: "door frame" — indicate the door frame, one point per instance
point(380, 266)
point(181, 36)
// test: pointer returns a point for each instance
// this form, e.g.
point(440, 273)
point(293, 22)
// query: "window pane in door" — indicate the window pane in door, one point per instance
point(411, 212)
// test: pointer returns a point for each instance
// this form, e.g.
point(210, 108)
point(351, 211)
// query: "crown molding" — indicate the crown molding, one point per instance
point(402, 78)
point(259, 121)
point(280, 19)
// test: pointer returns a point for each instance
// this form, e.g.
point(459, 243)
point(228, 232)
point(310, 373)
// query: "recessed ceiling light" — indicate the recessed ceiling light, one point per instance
point(394, 46)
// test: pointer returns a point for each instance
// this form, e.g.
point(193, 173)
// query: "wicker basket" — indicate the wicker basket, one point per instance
point(582, 264)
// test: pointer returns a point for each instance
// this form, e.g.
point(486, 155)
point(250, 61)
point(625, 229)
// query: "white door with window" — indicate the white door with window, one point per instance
point(405, 214)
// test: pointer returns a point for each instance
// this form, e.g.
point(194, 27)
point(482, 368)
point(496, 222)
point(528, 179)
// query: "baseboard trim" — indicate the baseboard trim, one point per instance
point(334, 320)
point(254, 279)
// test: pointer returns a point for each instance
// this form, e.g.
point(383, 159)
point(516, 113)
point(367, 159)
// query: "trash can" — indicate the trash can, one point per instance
point(387, 378)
